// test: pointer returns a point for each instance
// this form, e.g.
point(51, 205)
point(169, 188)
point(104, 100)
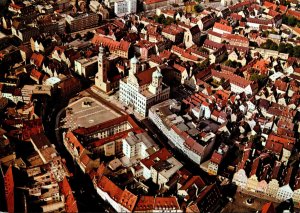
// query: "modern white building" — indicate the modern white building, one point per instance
point(137, 145)
point(142, 89)
point(123, 7)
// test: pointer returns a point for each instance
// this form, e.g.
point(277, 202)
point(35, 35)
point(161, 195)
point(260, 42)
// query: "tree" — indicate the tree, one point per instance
point(282, 48)
point(160, 19)
point(204, 64)
point(274, 46)
point(168, 21)
point(203, 50)
point(292, 21)
point(265, 34)
point(198, 8)
point(260, 79)
point(269, 44)
point(297, 51)
point(289, 49)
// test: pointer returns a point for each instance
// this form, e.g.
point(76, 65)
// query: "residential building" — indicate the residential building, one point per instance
point(153, 4)
point(164, 116)
point(136, 145)
point(123, 7)
point(82, 21)
point(86, 66)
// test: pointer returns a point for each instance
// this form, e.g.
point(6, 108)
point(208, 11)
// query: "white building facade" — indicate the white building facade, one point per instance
point(140, 94)
point(124, 7)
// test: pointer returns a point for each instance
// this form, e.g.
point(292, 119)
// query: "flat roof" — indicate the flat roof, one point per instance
point(87, 112)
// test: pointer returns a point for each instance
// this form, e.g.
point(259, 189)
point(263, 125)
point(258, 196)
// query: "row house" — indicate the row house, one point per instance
point(65, 54)
point(178, 133)
point(153, 4)
point(237, 83)
point(222, 28)
point(184, 55)
point(236, 40)
point(272, 189)
point(173, 33)
point(256, 23)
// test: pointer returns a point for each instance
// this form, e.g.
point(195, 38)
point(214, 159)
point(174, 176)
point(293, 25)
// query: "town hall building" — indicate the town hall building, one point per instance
point(142, 89)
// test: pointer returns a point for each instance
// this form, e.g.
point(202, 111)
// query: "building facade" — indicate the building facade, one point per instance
point(123, 7)
point(141, 90)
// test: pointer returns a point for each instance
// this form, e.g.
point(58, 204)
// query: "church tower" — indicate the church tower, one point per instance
point(101, 76)
point(134, 66)
point(156, 85)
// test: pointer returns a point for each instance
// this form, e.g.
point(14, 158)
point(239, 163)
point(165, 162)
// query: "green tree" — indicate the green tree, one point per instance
point(199, 8)
point(292, 21)
point(297, 51)
point(204, 64)
point(260, 79)
point(168, 21)
point(160, 19)
point(274, 46)
point(289, 49)
point(204, 50)
point(282, 48)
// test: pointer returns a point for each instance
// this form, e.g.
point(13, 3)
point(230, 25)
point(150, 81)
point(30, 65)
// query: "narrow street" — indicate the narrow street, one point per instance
point(81, 184)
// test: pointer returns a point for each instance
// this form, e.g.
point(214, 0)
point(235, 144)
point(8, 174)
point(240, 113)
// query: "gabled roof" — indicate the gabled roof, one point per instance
point(166, 203)
point(145, 203)
point(223, 27)
point(128, 200)
point(110, 188)
point(37, 59)
point(179, 68)
point(145, 77)
point(197, 180)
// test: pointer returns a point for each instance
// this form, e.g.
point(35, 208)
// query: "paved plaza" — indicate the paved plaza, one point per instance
point(87, 112)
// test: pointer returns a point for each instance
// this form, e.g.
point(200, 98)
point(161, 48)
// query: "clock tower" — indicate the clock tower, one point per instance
point(101, 76)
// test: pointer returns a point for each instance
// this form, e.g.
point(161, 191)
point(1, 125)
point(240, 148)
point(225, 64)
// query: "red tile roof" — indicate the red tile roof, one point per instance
point(145, 203)
point(216, 158)
point(270, 5)
point(223, 27)
point(294, 13)
point(162, 154)
point(72, 139)
point(110, 188)
point(179, 68)
point(37, 75)
point(145, 77)
point(237, 38)
point(195, 180)
point(268, 208)
point(166, 203)
point(236, 16)
point(70, 202)
point(128, 200)
point(153, 1)
point(234, 79)
point(110, 43)
point(37, 59)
